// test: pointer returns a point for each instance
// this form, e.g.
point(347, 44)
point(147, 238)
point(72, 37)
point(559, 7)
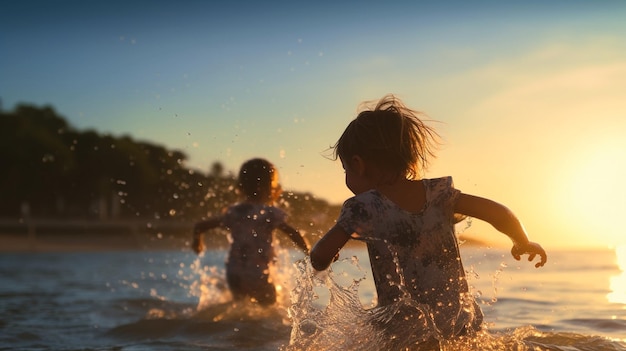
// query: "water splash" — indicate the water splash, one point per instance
point(215, 300)
point(344, 324)
point(327, 313)
point(211, 286)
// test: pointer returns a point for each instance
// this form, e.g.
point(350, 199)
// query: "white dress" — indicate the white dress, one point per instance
point(416, 254)
point(251, 252)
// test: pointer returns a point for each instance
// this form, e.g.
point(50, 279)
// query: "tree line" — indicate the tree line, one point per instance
point(52, 170)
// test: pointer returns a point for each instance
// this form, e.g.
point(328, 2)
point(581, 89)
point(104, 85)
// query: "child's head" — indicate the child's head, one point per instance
point(391, 137)
point(258, 180)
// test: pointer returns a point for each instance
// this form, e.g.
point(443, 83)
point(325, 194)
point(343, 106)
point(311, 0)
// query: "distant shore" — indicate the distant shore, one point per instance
point(45, 235)
point(93, 235)
point(88, 243)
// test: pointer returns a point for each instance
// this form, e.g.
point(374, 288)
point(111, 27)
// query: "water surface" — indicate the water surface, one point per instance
point(172, 300)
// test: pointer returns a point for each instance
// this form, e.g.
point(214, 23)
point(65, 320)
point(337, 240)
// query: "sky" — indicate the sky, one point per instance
point(529, 96)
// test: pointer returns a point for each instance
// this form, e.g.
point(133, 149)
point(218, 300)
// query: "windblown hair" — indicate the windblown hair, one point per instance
point(256, 177)
point(391, 136)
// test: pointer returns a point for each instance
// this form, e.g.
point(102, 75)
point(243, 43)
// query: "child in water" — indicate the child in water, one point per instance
point(251, 224)
point(408, 222)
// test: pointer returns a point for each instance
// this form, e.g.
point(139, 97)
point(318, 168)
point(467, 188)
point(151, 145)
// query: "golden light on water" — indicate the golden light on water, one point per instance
point(617, 283)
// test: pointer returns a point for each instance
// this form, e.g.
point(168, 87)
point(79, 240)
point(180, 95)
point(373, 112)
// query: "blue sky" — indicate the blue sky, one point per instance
point(530, 95)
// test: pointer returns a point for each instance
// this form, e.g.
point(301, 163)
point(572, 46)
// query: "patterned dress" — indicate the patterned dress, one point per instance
point(251, 252)
point(416, 255)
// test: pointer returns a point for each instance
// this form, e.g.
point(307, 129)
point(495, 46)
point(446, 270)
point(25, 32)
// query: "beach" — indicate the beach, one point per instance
point(69, 235)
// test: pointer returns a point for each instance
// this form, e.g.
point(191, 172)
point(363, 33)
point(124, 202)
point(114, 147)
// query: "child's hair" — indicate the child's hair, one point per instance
point(258, 179)
point(391, 136)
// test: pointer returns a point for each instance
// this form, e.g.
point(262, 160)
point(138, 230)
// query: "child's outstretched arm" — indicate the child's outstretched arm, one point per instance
point(295, 236)
point(327, 248)
point(198, 230)
point(505, 221)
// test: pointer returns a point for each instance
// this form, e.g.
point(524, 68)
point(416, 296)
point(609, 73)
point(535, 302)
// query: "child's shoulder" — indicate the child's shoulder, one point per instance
point(438, 184)
point(445, 180)
point(366, 196)
point(441, 190)
point(366, 201)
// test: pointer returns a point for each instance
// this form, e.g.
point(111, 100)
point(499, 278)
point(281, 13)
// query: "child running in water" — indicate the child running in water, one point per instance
point(251, 224)
point(408, 222)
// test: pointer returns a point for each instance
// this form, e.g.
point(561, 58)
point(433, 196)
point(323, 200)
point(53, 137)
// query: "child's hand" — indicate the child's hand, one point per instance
point(197, 245)
point(532, 249)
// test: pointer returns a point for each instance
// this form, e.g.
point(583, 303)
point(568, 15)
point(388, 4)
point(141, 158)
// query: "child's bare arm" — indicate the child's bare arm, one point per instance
point(295, 236)
point(505, 221)
point(198, 241)
point(327, 248)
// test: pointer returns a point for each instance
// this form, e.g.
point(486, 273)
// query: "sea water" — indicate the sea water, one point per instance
point(175, 300)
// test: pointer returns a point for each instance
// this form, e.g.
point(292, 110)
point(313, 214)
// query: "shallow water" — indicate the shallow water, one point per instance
point(171, 300)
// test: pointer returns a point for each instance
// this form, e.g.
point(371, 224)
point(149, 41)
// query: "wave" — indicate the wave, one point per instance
point(226, 325)
point(608, 325)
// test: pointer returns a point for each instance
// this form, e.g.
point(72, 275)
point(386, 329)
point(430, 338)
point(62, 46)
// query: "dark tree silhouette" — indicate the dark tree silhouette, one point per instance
point(52, 170)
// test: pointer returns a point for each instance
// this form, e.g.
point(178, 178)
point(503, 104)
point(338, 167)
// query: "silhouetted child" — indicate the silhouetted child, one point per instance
point(408, 222)
point(251, 224)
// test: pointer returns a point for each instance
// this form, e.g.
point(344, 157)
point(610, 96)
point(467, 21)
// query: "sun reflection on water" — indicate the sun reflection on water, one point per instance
point(617, 283)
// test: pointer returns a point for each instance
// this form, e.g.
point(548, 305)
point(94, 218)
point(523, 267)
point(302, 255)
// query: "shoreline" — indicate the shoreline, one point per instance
point(20, 243)
point(98, 242)
point(71, 235)
point(58, 235)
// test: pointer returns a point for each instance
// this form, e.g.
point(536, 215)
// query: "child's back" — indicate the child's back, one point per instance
point(251, 227)
point(251, 224)
point(415, 254)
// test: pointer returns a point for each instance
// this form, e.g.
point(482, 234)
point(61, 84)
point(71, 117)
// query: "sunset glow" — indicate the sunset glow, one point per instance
point(529, 95)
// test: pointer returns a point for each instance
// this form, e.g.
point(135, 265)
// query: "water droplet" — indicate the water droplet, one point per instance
point(308, 327)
